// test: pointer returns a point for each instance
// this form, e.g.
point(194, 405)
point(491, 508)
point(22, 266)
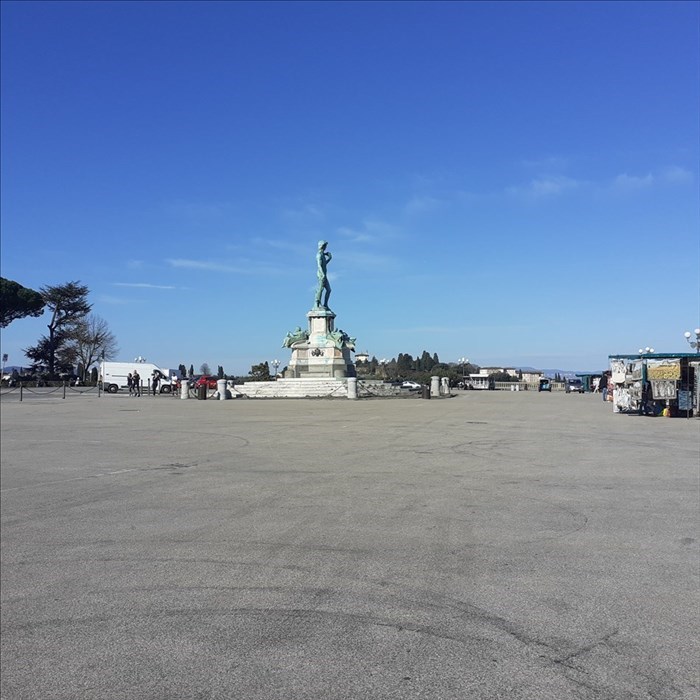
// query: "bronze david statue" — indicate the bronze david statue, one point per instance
point(323, 257)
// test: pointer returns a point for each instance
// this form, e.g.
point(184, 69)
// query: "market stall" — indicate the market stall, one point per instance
point(656, 383)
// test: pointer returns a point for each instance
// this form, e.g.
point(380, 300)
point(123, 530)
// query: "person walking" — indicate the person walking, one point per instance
point(137, 383)
point(130, 383)
point(155, 380)
point(603, 384)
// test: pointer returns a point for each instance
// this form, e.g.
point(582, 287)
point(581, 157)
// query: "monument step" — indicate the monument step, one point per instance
point(294, 388)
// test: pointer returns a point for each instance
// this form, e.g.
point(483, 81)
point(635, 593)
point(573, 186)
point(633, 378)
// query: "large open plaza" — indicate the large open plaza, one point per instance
point(491, 545)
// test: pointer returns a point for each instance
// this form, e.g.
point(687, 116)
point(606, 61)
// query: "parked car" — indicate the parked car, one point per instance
point(411, 386)
point(209, 382)
point(575, 385)
point(545, 385)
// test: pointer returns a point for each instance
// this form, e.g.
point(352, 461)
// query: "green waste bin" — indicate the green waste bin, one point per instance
point(202, 392)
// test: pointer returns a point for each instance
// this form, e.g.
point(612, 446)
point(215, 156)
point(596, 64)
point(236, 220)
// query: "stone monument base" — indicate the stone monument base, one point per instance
point(325, 353)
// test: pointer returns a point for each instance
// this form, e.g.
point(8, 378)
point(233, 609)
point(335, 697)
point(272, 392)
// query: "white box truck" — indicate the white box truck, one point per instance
point(113, 375)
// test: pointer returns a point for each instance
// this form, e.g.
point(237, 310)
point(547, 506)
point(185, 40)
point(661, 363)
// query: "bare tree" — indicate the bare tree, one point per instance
point(204, 369)
point(91, 340)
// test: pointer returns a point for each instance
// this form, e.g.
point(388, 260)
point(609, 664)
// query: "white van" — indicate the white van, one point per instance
point(113, 375)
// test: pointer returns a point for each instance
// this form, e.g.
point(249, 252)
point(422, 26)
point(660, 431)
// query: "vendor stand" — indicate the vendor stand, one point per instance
point(655, 383)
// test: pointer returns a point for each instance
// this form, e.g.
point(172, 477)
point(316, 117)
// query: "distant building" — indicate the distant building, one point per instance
point(532, 377)
point(498, 370)
point(480, 380)
point(362, 356)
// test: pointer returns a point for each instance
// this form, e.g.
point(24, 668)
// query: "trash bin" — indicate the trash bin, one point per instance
point(202, 392)
point(425, 391)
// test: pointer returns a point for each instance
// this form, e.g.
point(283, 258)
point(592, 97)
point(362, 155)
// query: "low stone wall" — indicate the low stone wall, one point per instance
point(367, 388)
point(319, 388)
point(294, 389)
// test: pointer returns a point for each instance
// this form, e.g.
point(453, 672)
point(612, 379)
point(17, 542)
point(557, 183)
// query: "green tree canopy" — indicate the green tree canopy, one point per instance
point(68, 305)
point(17, 301)
point(261, 372)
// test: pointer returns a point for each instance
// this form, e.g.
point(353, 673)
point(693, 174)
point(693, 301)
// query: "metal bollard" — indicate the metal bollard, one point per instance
point(64, 388)
point(352, 387)
point(184, 389)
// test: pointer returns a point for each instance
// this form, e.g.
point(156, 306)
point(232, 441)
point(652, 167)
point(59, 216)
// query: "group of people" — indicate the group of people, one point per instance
point(133, 382)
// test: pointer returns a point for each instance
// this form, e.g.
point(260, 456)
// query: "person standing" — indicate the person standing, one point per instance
point(137, 383)
point(130, 383)
point(603, 384)
point(155, 380)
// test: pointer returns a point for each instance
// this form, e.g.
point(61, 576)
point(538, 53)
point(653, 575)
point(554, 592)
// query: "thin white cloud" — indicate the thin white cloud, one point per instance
point(363, 260)
point(546, 163)
point(245, 267)
point(355, 235)
point(107, 299)
point(627, 182)
point(370, 231)
point(544, 187)
point(676, 175)
point(420, 205)
point(305, 212)
point(204, 265)
point(134, 264)
point(143, 285)
point(198, 211)
point(277, 244)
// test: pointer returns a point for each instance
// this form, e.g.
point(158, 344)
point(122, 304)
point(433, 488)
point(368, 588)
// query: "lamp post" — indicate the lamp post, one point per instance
point(275, 364)
point(693, 343)
point(646, 351)
point(463, 361)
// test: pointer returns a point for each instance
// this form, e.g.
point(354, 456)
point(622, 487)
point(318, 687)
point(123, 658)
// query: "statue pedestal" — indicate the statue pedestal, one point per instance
point(325, 353)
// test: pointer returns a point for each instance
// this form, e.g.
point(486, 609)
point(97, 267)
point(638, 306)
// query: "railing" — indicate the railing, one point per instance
point(526, 386)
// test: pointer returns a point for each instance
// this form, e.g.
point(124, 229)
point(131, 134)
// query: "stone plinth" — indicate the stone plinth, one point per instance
point(325, 353)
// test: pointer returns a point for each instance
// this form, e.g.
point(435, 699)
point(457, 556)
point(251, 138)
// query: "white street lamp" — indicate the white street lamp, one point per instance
point(693, 343)
point(275, 364)
point(463, 361)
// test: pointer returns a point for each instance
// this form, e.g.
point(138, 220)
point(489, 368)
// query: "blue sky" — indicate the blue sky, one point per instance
point(516, 183)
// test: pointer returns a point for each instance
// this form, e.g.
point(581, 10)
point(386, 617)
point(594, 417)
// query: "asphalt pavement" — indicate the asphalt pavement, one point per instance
point(493, 545)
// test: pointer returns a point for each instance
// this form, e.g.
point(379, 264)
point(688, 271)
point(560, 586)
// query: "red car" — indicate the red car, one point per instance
point(210, 382)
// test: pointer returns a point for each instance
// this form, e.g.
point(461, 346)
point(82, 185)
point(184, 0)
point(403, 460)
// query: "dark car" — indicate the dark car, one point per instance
point(574, 385)
point(545, 385)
